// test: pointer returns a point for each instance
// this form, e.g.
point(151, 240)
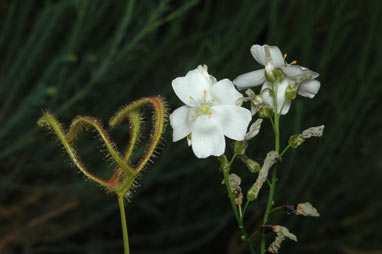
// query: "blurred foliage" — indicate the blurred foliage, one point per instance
point(91, 57)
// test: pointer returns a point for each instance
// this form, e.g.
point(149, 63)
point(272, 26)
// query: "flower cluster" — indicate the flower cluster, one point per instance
point(213, 109)
point(288, 78)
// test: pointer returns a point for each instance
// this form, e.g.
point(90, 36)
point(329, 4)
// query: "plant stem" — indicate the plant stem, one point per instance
point(245, 208)
point(239, 218)
point(276, 209)
point(274, 170)
point(124, 227)
point(285, 149)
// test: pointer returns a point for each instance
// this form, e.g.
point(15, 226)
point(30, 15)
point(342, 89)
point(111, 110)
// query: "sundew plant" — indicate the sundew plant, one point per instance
point(214, 110)
point(72, 181)
point(126, 171)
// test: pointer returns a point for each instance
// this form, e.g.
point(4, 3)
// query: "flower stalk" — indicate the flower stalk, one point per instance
point(238, 215)
point(123, 223)
point(276, 129)
point(212, 111)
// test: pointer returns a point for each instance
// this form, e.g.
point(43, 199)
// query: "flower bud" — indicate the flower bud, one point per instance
point(239, 147)
point(295, 141)
point(279, 75)
point(291, 92)
point(252, 192)
point(224, 163)
point(269, 76)
point(265, 112)
point(252, 165)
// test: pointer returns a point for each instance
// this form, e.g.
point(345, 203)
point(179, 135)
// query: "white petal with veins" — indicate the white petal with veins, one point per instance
point(309, 88)
point(207, 138)
point(224, 92)
point(180, 122)
point(253, 78)
point(234, 120)
point(191, 87)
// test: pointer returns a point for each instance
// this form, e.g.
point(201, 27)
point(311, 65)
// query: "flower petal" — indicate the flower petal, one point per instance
point(234, 120)
point(293, 71)
point(286, 108)
point(180, 121)
point(280, 96)
point(224, 92)
point(204, 70)
point(277, 56)
point(207, 137)
point(258, 53)
point(296, 71)
point(253, 78)
point(309, 88)
point(191, 87)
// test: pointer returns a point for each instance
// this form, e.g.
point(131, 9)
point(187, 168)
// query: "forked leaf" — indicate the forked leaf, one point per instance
point(124, 176)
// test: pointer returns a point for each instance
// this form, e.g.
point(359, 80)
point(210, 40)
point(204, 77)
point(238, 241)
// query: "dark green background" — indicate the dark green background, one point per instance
point(91, 57)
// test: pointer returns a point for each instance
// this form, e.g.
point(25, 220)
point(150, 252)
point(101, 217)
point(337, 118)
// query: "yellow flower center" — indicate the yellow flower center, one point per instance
point(204, 109)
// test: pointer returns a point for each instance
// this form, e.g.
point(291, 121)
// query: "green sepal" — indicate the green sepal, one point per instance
point(279, 75)
point(253, 192)
point(224, 163)
point(240, 147)
point(295, 141)
point(291, 92)
point(270, 77)
point(252, 165)
point(265, 112)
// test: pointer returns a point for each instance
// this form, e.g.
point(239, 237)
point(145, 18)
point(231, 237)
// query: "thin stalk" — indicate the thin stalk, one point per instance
point(124, 227)
point(285, 149)
point(238, 217)
point(276, 209)
point(274, 170)
point(232, 159)
point(245, 208)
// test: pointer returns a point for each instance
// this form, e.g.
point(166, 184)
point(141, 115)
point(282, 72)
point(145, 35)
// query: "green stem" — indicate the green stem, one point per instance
point(239, 218)
point(270, 198)
point(276, 209)
point(274, 171)
point(285, 149)
point(232, 159)
point(245, 208)
point(254, 234)
point(124, 227)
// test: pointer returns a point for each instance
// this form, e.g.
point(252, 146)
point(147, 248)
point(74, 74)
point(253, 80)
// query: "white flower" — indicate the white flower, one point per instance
point(272, 59)
point(210, 112)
